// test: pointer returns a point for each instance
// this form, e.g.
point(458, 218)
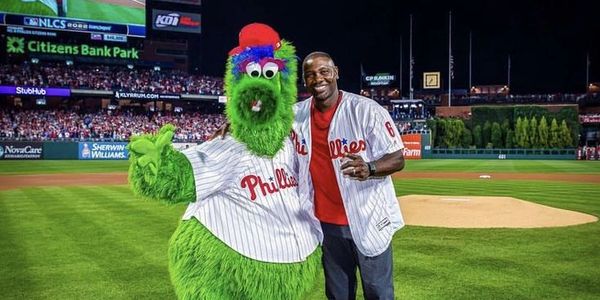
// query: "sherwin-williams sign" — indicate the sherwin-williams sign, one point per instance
point(93, 150)
point(20, 45)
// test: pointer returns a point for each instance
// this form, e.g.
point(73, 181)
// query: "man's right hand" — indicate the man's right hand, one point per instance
point(221, 132)
point(147, 153)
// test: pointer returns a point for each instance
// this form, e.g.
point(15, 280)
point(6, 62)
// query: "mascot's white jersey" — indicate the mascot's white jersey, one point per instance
point(251, 203)
point(360, 126)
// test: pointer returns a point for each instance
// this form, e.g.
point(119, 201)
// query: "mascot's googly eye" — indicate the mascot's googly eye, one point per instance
point(270, 69)
point(253, 70)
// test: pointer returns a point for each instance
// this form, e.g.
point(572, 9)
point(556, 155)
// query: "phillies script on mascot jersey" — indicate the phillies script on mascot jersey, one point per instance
point(260, 197)
point(283, 181)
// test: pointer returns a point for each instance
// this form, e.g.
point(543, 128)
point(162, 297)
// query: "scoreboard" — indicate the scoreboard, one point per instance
point(123, 17)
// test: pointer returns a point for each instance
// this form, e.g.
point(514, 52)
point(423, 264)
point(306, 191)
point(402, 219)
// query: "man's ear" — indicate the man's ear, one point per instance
point(337, 73)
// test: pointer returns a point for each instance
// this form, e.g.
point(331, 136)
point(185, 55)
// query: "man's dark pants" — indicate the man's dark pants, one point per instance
point(340, 260)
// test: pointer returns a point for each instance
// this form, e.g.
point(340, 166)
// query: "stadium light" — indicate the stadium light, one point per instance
point(69, 62)
point(35, 60)
point(156, 68)
point(130, 66)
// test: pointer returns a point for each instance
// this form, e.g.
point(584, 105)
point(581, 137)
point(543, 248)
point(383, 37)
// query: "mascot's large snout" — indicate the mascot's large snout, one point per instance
point(257, 99)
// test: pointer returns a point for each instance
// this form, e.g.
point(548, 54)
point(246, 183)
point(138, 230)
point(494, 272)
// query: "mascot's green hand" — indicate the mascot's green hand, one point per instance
point(147, 150)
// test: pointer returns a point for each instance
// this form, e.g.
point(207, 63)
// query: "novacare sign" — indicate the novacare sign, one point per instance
point(18, 45)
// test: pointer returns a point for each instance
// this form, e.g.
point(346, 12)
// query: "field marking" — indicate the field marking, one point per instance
point(456, 199)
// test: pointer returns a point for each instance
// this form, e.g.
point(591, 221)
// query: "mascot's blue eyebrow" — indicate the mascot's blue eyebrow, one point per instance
point(254, 54)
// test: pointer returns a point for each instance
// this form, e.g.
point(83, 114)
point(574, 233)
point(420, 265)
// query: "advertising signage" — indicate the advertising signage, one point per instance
point(380, 79)
point(21, 150)
point(22, 45)
point(412, 146)
point(145, 96)
point(93, 150)
point(175, 21)
point(34, 91)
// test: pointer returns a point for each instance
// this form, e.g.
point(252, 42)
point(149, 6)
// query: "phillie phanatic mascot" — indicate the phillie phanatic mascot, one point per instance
point(245, 234)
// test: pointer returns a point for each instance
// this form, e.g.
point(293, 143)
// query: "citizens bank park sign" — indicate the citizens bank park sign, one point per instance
point(20, 45)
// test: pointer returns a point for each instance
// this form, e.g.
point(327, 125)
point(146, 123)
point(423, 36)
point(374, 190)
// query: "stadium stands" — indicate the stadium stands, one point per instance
point(119, 125)
point(104, 77)
point(105, 125)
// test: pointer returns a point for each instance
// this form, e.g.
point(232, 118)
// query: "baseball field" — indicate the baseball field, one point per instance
point(73, 230)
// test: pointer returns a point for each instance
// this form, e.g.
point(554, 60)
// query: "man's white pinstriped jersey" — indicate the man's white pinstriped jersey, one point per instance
point(359, 126)
point(251, 203)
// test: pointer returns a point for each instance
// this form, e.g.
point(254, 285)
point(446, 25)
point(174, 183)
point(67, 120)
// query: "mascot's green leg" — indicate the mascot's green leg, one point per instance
point(203, 267)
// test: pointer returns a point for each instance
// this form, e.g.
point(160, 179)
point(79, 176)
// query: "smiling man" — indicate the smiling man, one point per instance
point(350, 146)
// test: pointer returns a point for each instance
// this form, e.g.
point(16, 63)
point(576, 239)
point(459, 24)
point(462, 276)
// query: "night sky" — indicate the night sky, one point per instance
point(547, 41)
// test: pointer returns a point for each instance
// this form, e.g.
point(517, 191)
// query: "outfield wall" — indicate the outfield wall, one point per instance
point(418, 146)
point(118, 151)
point(531, 154)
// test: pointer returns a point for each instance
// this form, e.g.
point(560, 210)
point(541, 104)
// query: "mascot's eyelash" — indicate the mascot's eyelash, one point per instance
point(261, 55)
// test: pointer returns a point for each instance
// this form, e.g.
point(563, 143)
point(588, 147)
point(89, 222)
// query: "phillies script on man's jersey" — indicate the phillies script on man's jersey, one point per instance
point(251, 203)
point(360, 126)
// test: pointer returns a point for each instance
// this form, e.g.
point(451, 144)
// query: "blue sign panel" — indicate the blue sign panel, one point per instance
point(103, 150)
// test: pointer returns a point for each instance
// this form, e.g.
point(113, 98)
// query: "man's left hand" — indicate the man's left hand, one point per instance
point(355, 167)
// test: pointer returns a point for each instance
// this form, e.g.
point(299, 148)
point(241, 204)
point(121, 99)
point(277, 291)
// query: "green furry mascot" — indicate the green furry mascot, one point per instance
point(246, 234)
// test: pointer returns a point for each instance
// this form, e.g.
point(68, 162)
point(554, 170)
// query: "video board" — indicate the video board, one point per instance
point(123, 17)
point(188, 2)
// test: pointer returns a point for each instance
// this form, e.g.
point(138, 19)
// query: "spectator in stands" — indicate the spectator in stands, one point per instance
point(42, 125)
point(108, 78)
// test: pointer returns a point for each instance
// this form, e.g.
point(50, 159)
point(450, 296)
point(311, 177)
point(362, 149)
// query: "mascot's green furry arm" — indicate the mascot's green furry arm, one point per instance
point(159, 172)
point(246, 234)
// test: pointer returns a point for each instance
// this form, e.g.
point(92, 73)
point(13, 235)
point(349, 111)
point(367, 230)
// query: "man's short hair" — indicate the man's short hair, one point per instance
point(317, 54)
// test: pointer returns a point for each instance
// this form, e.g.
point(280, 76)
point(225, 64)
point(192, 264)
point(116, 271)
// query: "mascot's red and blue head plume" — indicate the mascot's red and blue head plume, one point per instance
point(260, 83)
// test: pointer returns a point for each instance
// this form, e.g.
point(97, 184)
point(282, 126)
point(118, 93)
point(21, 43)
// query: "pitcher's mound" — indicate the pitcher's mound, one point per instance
point(485, 212)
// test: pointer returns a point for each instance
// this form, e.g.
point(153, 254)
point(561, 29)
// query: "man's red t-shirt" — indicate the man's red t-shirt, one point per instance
point(329, 207)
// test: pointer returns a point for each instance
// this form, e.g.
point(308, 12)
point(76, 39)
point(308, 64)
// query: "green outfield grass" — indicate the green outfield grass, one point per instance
point(510, 166)
point(80, 9)
point(29, 8)
point(102, 242)
point(18, 167)
point(425, 165)
point(95, 10)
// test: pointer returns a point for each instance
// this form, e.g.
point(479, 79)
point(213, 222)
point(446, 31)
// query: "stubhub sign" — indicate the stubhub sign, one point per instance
point(103, 150)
